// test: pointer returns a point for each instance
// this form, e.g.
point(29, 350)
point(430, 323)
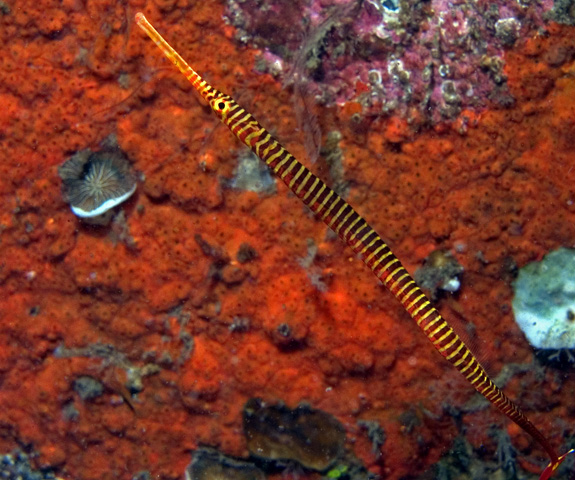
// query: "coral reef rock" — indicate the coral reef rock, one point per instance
point(544, 302)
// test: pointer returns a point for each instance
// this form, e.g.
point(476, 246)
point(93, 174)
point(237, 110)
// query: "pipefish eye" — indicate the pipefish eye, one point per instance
point(221, 106)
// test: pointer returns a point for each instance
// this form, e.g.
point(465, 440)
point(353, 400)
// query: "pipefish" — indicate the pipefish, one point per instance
point(354, 230)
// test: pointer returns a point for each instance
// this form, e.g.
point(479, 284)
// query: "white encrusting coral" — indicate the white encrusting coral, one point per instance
point(544, 301)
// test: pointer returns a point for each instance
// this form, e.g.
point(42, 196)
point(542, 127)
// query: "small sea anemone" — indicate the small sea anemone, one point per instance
point(95, 182)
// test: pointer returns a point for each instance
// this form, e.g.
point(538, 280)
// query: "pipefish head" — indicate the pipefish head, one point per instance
point(221, 104)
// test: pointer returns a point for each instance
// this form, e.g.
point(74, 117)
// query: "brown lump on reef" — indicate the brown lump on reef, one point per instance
point(310, 437)
point(440, 273)
point(208, 464)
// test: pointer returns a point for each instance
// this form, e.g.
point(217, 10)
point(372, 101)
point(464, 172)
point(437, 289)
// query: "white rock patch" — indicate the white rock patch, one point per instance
point(544, 301)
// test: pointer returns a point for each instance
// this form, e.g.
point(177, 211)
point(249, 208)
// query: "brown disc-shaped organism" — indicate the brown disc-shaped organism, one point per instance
point(313, 438)
point(95, 182)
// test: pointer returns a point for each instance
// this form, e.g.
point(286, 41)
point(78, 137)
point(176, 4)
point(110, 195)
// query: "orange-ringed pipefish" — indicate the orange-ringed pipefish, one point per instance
point(361, 238)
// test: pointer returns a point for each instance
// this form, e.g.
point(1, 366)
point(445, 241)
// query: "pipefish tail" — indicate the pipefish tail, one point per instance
point(359, 236)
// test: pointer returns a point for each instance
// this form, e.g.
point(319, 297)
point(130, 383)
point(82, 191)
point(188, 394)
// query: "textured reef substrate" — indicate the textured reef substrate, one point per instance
point(126, 347)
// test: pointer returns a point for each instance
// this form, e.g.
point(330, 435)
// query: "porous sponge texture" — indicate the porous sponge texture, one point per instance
point(544, 301)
